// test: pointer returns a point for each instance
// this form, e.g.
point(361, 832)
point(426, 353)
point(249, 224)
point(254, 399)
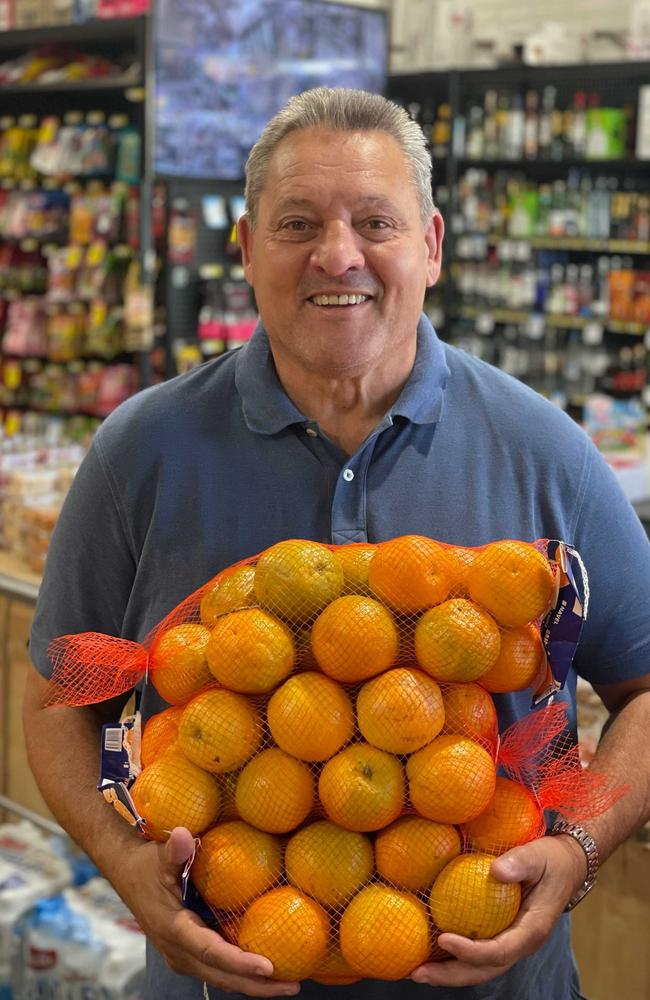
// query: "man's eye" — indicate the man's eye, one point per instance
point(295, 225)
point(377, 224)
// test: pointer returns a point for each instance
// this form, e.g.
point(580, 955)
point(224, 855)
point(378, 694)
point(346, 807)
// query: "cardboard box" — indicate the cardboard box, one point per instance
point(7, 15)
point(28, 13)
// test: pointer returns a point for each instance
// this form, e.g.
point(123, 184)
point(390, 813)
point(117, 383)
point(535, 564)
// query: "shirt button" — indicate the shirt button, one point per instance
point(348, 475)
point(312, 433)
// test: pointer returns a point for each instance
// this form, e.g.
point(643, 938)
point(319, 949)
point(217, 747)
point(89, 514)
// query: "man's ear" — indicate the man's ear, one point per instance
point(433, 235)
point(245, 238)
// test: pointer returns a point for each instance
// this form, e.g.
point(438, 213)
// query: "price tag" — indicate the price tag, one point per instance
point(535, 326)
point(592, 333)
point(485, 324)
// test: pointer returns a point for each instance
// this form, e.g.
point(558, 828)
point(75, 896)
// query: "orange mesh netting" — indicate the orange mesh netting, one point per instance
point(333, 739)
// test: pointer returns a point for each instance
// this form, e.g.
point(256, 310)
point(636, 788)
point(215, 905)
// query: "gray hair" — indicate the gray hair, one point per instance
point(342, 110)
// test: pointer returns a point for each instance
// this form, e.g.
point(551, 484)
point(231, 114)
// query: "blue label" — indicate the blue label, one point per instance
point(562, 625)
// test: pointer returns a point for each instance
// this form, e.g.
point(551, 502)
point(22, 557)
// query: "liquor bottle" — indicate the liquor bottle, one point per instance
point(490, 126)
point(441, 132)
point(475, 135)
point(531, 125)
point(545, 133)
point(579, 135)
point(515, 134)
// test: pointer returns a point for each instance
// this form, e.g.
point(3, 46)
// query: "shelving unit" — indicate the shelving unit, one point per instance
point(493, 262)
point(126, 42)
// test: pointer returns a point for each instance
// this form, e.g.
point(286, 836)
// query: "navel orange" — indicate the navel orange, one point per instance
point(456, 641)
point(385, 933)
point(401, 710)
point(288, 928)
point(451, 780)
point(466, 899)
point(310, 716)
point(513, 581)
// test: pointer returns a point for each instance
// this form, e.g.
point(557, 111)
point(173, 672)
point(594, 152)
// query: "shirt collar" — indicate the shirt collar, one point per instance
point(268, 410)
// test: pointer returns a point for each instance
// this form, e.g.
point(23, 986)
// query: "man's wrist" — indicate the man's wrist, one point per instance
point(590, 852)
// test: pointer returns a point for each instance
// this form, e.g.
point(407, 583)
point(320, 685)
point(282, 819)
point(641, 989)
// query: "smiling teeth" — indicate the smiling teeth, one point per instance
point(339, 300)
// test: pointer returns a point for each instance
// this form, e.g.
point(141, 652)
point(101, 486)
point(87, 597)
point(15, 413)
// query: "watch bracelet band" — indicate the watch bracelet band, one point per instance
point(590, 849)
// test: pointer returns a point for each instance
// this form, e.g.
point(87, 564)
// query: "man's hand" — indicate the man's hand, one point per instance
point(150, 885)
point(551, 870)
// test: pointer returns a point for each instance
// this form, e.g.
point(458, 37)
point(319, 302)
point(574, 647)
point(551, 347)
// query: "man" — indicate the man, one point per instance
point(345, 419)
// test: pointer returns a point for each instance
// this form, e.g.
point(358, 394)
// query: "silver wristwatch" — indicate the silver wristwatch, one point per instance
point(588, 845)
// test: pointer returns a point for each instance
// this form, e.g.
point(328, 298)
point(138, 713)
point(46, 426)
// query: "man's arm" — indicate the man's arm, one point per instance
point(63, 749)
point(554, 868)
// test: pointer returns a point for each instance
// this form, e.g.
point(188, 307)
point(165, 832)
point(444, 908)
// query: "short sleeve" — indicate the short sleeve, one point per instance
point(615, 643)
point(90, 566)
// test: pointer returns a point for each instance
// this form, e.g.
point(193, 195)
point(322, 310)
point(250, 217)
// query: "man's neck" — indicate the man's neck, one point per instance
point(347, 408)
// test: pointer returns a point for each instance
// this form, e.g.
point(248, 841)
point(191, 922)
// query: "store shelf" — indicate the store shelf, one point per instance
point(552, 166)
point(100, 31)
point(98, 85)
point(580, 244)
point(16, 580)
point(560, 322)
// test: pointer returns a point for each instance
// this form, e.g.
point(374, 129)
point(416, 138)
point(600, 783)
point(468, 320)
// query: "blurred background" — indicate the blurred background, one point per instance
point(124, 127)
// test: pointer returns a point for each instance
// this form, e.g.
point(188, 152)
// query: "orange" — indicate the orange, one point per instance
point(232, 591)
point(362, 788)
point(328, 863)
point(334, 970)
point(177, 663)
point(518, 663)
point(451, 780)
point(288, 928)
point(410, 573)
point(234, 864)
point(400, 711)
point(456, 641)
point(470, 711)
point(250, 651)
point(466, 899)
point(513, 817)
point(385, 933)
point(412, 851)
point(159, 734)
point(275, 792)
point(355, 561)
point(296, 578)
point(513, 581)
point(354, 638)
point(175, 792)
point(310, 717)
point(461, 559)
point(219, 730)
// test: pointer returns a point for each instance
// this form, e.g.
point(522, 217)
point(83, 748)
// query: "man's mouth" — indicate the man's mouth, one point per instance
point(339, 300)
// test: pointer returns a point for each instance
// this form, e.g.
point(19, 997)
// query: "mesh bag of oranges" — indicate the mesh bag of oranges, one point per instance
point(332, 740)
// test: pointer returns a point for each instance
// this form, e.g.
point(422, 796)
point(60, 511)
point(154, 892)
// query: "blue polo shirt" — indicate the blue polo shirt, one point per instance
point(213, 466)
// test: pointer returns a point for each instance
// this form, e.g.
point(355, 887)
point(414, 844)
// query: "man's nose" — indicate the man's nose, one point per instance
point(338, 249)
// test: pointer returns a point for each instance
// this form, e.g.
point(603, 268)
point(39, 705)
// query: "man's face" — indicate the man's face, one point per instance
point(339, 216)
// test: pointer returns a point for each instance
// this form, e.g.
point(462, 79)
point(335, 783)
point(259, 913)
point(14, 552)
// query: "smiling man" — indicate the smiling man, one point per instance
point(344, 419)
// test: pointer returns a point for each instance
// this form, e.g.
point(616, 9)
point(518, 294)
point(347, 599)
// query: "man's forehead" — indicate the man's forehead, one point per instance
point(294, 202)
point(324, 145)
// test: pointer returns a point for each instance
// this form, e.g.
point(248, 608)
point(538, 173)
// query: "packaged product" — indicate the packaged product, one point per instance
point(29, 871)
point(81, 943)
point(332, 741)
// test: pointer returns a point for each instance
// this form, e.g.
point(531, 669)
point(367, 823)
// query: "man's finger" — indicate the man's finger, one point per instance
point(179, 847)
point(454, 974)
point(191, 936)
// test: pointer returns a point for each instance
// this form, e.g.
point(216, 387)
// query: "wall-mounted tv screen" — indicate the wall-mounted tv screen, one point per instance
point(224, 67)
